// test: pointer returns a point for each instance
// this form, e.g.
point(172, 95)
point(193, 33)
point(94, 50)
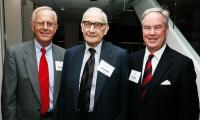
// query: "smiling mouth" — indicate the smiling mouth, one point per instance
point(45, 33)
point(91, 35)
point(152, 39)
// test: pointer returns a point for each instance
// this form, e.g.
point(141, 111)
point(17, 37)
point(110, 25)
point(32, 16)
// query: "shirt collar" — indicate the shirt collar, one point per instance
point(97, 48)
point(157, 54)
point(38, 46)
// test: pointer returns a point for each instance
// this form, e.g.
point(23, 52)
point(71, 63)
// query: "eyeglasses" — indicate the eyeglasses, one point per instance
point(96, 25)
point(42, 24)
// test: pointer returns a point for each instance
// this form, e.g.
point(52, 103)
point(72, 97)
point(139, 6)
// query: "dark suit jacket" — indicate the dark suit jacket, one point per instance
point(20, 88)
point(178, 101)
point(109, 103)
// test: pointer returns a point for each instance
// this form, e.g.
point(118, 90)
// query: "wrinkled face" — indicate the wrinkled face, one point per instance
point(154, 31)
point(93, 28)
point(44, 27)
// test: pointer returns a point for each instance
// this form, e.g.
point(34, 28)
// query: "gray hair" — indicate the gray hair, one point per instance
point(96, 9)
point(164, 13)
point(44, 8)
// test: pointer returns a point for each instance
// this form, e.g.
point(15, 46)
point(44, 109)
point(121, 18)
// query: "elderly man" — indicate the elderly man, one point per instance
point(162, 82)
point(32, 72)
point(94, 76)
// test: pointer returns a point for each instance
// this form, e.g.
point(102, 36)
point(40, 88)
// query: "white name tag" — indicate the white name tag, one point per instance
point(59, 65)
point(105, 68)
point(134, 76)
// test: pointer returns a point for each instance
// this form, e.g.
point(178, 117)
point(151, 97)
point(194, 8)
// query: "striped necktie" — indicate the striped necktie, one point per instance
point(147, 74)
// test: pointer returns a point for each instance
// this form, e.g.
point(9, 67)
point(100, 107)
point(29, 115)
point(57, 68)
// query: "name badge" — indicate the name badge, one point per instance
point(134, 76)
point(59, 65)
point(105, 68)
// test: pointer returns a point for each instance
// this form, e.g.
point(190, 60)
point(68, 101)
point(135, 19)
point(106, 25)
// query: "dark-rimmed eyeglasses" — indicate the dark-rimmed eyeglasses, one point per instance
point(96, 25)
point(42, 24)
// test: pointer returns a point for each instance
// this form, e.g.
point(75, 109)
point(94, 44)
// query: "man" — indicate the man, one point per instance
point(27, 70)
point(99, 93)
point(165, 87)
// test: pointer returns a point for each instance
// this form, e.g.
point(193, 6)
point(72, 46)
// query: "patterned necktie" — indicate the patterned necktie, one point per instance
point(86, 82)
point(44, 82)
point(147, 74)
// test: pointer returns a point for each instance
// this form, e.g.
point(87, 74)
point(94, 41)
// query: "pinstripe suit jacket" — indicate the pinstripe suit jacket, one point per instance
point(177, 101)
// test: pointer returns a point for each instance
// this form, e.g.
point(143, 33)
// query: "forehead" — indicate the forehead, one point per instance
point(93, 16)
point(45, 15)
point(153, 18)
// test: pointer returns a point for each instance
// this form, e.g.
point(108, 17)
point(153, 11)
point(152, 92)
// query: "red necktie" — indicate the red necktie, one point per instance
point(147, 74)
point(44, 82)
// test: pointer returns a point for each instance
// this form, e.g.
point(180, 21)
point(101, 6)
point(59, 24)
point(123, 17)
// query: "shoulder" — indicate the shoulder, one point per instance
point(17, 51)
point(177, 56)
point(137, 53)
point(76, 48)
point(20, 46)
point(115, 48)
point(58, 48)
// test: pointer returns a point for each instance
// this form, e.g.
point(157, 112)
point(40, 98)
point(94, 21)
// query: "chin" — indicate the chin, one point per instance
point(91, 41)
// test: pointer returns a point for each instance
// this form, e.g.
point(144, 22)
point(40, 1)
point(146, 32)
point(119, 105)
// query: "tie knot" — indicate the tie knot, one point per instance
point(151, 56)
point(43, 50)
point(92, 51)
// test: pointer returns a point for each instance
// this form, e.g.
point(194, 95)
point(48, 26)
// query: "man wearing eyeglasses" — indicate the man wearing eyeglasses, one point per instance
point(94, 76)
point(32, 72)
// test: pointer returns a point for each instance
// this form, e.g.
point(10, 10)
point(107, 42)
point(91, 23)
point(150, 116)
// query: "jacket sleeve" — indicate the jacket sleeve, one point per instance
point(187, 93)
point(9, 85)
point(124, 83)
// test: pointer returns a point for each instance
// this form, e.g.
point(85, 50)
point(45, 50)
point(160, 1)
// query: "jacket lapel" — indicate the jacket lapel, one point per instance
point(56, 57)
point(76, 74)
point(106, 55)
point(160, 71)
point(31, 66)
point(139, 63)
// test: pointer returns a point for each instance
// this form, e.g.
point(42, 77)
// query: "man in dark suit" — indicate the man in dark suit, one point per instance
point(109, 79)
point(165, 89)
point(21, 92)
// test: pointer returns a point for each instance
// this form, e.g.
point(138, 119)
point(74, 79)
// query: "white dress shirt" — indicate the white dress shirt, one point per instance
point(94, 80)
point(155, 60)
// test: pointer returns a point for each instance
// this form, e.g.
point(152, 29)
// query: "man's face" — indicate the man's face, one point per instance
point(94, 28)
point(154, 31)
point(44, 26)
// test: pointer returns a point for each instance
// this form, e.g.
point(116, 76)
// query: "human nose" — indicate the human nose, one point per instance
point(92, 29)
point(45, 25)
point(152, 31)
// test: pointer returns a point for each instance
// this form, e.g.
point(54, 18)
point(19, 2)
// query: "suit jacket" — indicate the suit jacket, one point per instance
point(109, 101)
point(20, 87)
point(172, 92)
